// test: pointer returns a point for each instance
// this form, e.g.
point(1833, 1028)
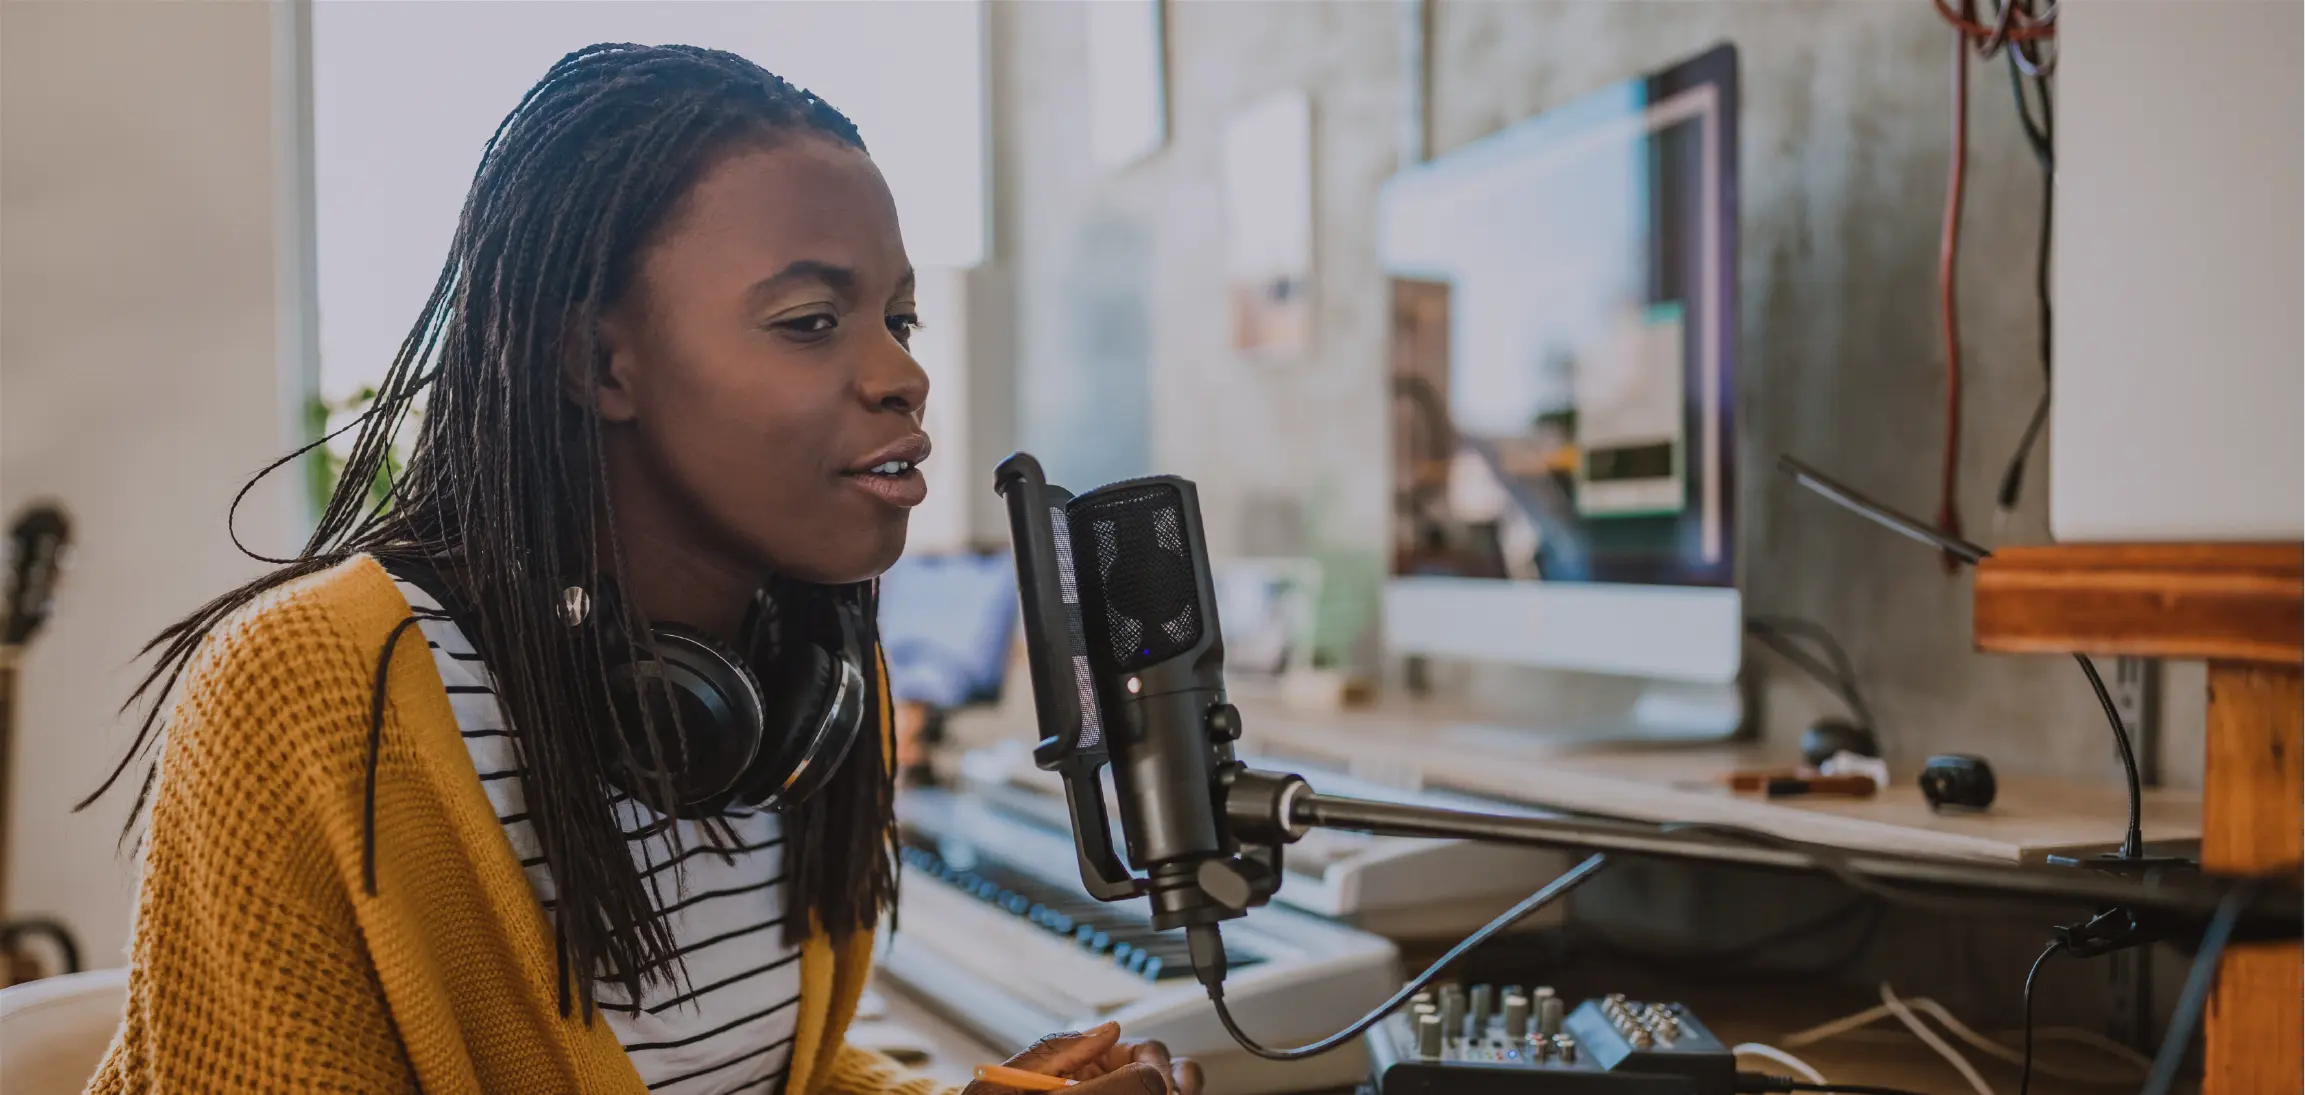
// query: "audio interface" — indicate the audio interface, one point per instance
point(1486, 1040)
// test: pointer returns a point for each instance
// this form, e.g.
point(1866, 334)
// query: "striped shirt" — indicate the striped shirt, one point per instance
point(727, 1026)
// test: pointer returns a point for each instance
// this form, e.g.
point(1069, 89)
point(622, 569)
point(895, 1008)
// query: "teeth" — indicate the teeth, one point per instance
point(893, 467)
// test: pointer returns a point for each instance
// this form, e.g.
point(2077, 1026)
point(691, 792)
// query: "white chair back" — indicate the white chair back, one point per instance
point(54, 1031)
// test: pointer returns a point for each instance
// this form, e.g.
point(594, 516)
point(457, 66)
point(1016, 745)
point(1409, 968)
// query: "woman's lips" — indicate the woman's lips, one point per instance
point(903, 490)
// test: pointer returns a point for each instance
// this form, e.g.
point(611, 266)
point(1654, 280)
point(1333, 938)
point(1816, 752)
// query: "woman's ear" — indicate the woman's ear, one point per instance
point(604, 383)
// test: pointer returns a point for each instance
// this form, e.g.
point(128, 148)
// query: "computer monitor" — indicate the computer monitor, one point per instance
point(1564, 332)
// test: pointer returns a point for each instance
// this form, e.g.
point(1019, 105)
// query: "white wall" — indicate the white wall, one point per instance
point(140, 377)
point(395, 156)
point(2180, 225)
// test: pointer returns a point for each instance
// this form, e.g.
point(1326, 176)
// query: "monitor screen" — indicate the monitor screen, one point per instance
point(1563, 336)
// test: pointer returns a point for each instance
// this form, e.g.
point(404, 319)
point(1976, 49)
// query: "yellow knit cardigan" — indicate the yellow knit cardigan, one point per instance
point(259, 963)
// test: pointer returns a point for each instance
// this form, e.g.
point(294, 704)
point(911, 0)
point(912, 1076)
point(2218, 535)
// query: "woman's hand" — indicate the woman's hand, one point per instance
point(1102, 1064)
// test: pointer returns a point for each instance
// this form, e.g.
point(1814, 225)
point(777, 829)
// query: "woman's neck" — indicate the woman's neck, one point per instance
point(672, 576)
point(668, 585)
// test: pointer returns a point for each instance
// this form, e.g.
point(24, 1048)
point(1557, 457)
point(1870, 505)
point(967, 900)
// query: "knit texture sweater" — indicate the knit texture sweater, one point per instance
point(260, 963)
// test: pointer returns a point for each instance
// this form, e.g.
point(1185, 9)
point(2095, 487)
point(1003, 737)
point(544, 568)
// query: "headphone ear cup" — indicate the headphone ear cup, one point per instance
point(708, 714)
point(814, 712)
point(841, 726)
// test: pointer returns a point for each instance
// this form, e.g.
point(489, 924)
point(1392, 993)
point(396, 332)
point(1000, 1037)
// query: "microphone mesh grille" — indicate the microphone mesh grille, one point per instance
point(1140, 576)
point(1091, 717)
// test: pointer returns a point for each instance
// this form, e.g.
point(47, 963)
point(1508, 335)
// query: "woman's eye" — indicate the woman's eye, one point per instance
point(902, 326)
point(815, 323)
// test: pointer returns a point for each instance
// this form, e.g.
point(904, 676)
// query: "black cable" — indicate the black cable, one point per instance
point(2042, 137)
point(2133, 842)
point(2196, 993)
point(1568, 880)
point(1777, 633)
point(2025, 1071)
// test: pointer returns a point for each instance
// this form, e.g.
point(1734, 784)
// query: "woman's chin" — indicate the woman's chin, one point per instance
point(854, 559)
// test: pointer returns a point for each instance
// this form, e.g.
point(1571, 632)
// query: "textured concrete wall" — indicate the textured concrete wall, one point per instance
point(1846, 132)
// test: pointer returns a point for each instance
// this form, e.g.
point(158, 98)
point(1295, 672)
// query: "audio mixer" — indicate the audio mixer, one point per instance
point(1491, 1041)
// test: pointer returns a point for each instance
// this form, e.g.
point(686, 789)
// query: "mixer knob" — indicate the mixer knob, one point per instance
point(1453, 1015)
point(1423, 997)
point(1639, 1039)
point(1540, 1047)
point(1429, 1036)
point(1482, 997)
point(1516, 1016)
point(1549, 1009)
point(1565, 1047)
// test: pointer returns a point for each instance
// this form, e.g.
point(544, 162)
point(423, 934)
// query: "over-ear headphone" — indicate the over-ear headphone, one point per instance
point(766, 730)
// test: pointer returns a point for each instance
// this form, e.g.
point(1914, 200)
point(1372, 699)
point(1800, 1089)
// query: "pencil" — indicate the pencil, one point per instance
point(1020, 1079)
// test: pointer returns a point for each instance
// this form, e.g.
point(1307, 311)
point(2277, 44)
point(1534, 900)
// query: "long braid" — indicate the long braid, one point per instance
point(506, 481)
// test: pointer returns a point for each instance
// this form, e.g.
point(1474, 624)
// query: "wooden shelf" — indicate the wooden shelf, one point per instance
point(2241, 608)
point(2241, 602)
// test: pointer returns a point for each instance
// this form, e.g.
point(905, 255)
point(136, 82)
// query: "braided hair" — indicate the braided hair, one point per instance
point(506, 482)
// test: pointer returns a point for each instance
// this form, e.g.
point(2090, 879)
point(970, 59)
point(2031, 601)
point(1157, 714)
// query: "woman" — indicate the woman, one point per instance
point(668, 396)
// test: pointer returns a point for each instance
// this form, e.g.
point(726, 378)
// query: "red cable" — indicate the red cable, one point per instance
point(2016, 26)
point(2010, 24)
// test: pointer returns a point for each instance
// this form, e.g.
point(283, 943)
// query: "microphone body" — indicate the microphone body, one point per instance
point(1148, 636)
point(1165, 771)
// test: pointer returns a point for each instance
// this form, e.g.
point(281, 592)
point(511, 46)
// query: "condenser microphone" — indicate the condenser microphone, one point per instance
point(1128, 669)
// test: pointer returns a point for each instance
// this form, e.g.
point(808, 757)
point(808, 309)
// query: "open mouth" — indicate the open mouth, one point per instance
point(893, 474)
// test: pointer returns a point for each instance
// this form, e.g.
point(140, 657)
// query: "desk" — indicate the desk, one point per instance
point(953, 1053)
point(1763, 1015)
point(1440, 748)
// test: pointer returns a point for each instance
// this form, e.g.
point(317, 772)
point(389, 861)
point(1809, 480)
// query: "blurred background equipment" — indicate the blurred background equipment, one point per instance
point(38, 539)
point(946, 623)
point(1564, 301)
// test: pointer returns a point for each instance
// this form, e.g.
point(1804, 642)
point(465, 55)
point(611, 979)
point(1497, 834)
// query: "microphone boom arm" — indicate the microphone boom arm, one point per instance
point(1278, 807)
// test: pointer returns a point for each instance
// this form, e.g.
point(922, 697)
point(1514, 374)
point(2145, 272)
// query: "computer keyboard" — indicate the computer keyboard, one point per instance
point(1397, 886)
point(1071, 917)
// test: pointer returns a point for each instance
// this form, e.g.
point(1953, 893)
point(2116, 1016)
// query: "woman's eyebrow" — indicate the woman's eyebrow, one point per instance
point(840, 279)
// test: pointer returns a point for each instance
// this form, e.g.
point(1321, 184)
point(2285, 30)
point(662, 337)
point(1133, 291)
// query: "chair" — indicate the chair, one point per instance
point(54, 1031)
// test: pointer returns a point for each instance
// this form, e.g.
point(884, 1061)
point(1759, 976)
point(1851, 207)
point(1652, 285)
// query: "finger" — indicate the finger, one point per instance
point(1063, 1054)
point(1120, 1056)
point(1136, 1079)
point(1187, 1073)
point(1151, 1053)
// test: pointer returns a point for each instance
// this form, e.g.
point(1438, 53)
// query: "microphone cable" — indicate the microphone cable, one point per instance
point(1209, 965)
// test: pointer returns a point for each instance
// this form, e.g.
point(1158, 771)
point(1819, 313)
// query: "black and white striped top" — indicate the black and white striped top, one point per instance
point(728, 1026)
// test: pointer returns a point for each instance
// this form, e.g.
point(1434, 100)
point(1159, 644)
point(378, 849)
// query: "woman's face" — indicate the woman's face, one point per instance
point(762, 410)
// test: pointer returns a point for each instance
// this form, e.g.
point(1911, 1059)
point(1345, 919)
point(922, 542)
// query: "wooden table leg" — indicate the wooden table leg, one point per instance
point(2253, 806)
